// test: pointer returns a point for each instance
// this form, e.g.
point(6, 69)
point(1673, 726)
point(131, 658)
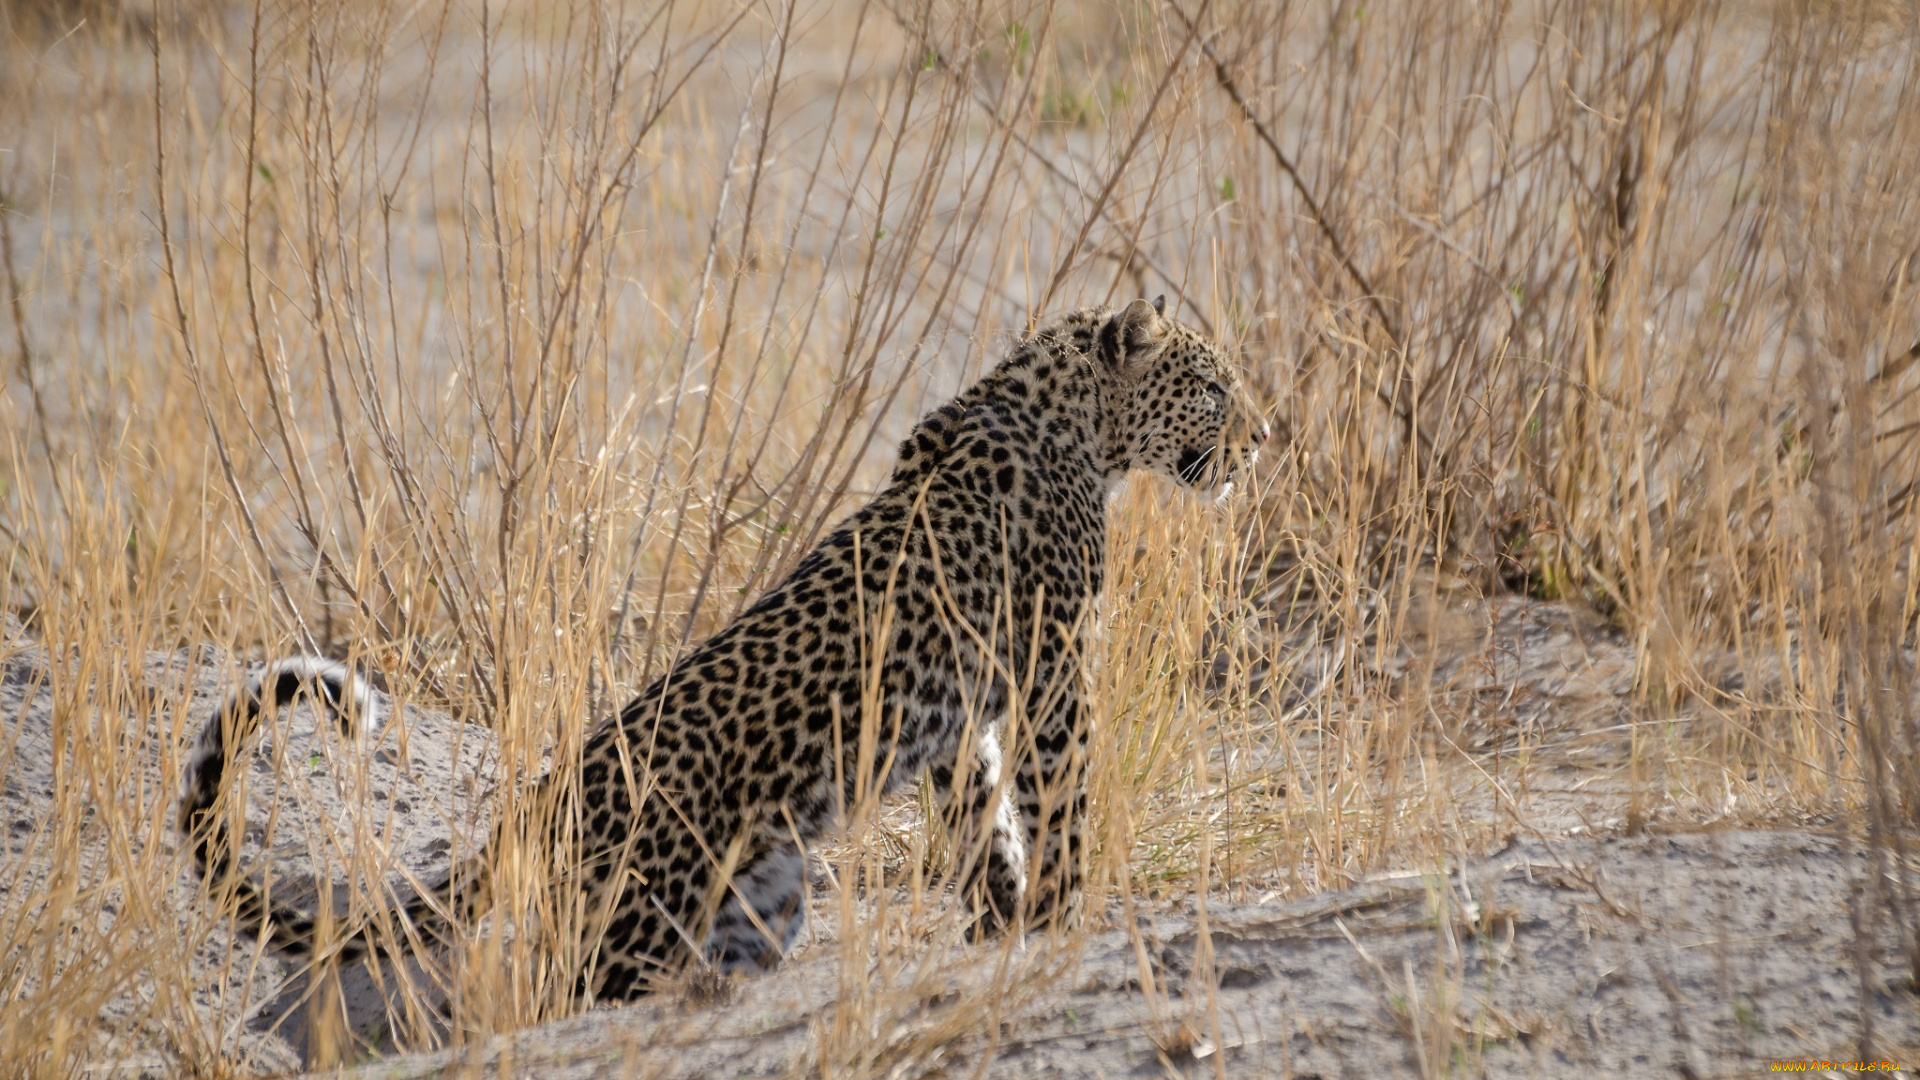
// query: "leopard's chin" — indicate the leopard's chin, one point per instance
point(1224, 485)
point(1210, 490)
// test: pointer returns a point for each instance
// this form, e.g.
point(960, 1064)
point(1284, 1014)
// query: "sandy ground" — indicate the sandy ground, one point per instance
point(1692, 954)
point(1681, 951)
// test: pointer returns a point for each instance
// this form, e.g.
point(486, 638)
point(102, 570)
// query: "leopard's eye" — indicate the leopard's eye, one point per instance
point(1218, 392)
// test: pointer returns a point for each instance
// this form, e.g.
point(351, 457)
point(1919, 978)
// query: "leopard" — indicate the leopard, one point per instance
point(939, 634)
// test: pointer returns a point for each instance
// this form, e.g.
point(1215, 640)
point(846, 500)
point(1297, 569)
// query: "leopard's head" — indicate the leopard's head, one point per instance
point(1179, 407)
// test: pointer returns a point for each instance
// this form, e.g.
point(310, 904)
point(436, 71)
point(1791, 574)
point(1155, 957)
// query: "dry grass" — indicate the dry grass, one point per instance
point(508, 348)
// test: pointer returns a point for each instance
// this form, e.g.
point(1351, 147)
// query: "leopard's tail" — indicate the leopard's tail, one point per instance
point(347, 697)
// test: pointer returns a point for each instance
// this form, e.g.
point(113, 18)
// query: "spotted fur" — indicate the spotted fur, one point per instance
point(978, 567)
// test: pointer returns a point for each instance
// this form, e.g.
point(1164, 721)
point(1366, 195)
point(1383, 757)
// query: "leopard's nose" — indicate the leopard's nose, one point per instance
point(1262, 433)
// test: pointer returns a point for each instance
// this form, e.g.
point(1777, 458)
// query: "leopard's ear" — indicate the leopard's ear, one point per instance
point(1136, 328)
point(1160, 304)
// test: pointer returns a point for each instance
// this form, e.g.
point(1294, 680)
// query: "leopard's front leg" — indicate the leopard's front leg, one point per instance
point(1051, 788)
point(988, 854)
